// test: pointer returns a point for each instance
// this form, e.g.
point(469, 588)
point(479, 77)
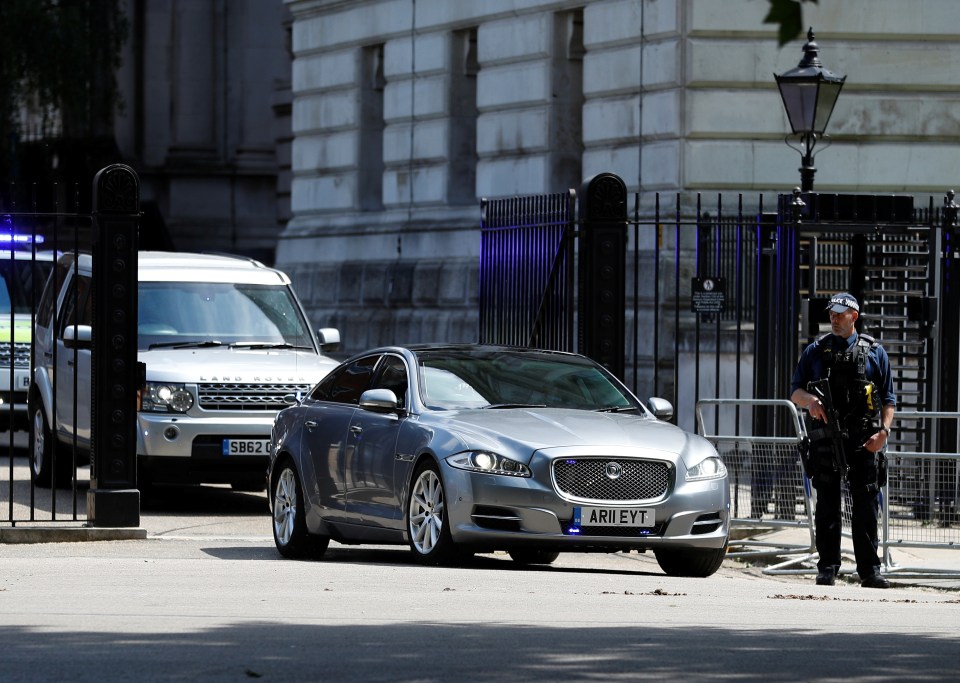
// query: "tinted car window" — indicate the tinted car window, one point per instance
point(20, 282)
point(452, 379)
point(49, 299)
point(392, 375)
point(345, 384)
point(77, 308)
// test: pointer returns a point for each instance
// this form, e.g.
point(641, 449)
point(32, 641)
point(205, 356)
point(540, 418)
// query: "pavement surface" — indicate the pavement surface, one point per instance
point(789, 552)
point(772, 552)
point(193, 604)
point(220, 513)
point(198, 592)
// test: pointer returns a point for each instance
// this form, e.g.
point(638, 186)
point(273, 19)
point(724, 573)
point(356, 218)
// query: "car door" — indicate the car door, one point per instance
point(326, 422)
point(72, 376)
point(372, 490)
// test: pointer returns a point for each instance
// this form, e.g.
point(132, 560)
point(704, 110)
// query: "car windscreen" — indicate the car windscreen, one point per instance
point(504, 379)
point(21, 281)
point(174, 314)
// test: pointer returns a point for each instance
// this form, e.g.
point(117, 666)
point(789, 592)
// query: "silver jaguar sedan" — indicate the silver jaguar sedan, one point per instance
point(459, 449)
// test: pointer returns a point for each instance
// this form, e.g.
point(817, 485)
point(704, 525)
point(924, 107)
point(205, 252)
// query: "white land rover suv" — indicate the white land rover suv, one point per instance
point(226, 346)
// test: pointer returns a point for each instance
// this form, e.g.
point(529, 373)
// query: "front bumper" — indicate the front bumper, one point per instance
point(14, 404)
point(498, 512)
point(179, 448)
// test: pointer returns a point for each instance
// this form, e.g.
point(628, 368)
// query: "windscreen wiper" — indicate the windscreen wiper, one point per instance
point(267, 345)
point(497, 406)
point(185, 344)
point(617, 409)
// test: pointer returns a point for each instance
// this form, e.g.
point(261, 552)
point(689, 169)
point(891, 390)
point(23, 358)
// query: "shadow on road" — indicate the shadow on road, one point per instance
point(202, 500)
point(401, 556)
point(473, 651)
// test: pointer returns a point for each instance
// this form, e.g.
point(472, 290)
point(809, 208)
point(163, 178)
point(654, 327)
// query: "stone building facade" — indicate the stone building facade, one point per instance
point(206, 122)
point(406, 112)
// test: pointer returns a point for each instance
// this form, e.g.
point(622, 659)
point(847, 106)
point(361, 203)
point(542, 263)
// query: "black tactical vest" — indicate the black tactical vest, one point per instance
point(856, 399)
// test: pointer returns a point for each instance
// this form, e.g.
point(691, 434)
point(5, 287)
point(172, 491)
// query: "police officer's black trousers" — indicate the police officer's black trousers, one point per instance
point(864, 514)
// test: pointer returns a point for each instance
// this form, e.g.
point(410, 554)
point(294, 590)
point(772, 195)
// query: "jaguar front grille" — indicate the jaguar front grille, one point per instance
point(612, 479)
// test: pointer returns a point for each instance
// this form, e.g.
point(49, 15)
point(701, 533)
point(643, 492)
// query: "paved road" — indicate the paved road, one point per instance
point(217, 609)
point(206, 597)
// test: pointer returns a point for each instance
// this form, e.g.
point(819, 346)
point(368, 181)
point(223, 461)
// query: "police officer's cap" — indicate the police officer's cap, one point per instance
point(843, 301)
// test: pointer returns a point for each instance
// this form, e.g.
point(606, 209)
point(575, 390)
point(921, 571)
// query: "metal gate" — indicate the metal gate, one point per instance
point(38, 225)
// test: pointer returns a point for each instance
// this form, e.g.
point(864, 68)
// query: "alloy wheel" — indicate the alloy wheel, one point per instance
point(285, 506)
point(426, 512)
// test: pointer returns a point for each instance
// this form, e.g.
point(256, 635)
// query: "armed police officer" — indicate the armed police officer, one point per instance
point(843, 381)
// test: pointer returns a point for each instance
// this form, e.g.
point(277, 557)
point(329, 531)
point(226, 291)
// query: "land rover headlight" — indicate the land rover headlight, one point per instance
point(166, 397)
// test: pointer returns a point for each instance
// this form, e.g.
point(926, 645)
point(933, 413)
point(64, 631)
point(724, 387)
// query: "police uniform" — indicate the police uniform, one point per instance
point(857, 370)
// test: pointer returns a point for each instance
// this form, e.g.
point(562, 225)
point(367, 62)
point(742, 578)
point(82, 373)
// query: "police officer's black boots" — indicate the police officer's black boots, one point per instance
point(828, 576)
point(875, 581)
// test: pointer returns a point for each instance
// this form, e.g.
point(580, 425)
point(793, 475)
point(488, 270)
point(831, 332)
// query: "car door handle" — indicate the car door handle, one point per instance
point(355, 429)
point(310, 424)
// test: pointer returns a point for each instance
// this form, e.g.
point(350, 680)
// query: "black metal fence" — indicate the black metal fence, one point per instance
point(526, 271)
point(39, 224)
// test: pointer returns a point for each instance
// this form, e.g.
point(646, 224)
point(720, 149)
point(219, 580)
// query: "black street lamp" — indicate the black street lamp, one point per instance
point(809, 93)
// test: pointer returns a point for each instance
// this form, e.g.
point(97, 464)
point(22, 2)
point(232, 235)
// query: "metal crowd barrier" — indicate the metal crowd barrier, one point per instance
point(770, 494)
point(768, 489)
point(922, 504)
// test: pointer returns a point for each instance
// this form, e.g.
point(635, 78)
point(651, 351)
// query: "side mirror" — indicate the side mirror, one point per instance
point(661, 408)
point(329, 338)
point(78, 336)
point(379, 399)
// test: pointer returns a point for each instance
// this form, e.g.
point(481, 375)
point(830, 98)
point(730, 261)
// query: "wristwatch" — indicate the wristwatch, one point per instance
point(884, 428)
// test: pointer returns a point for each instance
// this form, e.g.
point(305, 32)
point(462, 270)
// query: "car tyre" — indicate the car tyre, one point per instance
point(691, 562)
point(289, 518)
point(43, 448)
point(428, 524)
point(527, 556)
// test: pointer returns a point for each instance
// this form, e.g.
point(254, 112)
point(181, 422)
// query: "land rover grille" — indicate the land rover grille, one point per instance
point(221, 396)
point(21, 354)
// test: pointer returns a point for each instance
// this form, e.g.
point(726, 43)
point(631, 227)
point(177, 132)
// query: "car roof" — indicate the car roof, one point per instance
point(464, 348)
point(169, 266)
point(161, 266)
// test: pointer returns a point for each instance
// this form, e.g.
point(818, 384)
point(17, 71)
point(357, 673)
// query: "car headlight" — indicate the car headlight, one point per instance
point(165, 398)
point(490, 463)
point(708, 468)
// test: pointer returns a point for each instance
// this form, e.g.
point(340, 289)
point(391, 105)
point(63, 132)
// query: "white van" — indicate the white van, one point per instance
point(226, 345)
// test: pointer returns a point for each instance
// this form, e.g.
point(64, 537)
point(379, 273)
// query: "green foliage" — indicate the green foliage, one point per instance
point(789, 15)
point(59, 56)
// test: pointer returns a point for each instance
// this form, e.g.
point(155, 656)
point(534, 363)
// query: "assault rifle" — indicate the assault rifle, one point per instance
point(821, 389)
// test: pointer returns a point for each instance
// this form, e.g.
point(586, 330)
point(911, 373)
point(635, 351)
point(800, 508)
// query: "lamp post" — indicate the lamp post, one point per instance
point(809, 93)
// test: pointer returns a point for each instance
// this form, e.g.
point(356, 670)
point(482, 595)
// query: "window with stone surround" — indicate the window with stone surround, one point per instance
point(566, 116)
point(370, 172)
point(462, 152)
